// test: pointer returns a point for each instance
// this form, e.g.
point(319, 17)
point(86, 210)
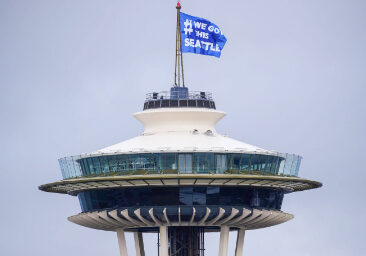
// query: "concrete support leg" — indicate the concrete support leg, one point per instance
point(122, 242)
point(224, 241)
point(139, 244)
point(164, 241)
point(240, 242)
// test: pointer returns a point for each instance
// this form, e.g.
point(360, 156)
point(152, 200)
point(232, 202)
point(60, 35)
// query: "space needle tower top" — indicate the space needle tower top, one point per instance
point(181, 178)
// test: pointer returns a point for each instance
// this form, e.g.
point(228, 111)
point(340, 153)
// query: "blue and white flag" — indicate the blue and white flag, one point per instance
point(201, 36)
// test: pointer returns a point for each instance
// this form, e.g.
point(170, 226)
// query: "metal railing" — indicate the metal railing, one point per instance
point(104, 165)
point(175, 95)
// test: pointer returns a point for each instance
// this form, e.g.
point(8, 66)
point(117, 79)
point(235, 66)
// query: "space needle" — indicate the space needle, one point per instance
point(180, 178)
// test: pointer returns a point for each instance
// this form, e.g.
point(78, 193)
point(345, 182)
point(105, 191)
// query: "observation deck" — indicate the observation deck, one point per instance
point(180, 175)
point(179, 97)
point(180, 142)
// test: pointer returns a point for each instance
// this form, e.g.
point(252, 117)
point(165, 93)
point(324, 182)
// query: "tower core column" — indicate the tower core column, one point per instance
point(139, 244)
point(224, 240)
point(240, 242)
point(122, 242)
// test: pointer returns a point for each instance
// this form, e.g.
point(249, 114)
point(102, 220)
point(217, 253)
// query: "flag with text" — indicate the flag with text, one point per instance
point(201, 36)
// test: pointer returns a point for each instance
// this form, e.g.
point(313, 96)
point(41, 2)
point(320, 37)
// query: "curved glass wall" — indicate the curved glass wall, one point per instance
point(182, 163)
point(180, 196)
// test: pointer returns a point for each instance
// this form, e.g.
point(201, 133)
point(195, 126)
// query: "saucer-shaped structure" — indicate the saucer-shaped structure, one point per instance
point(180, 178)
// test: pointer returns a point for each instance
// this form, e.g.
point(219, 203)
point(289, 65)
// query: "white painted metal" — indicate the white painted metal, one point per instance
point(228, 218)
point(240, 242)
point(164, 241)
point(249, 219)
point(224, 240)
point(261, 218)
point(214, 220)
point(193, 215)
point(157, 221)
point(244, 214)
point(139, 244)
point(116, 217)
point(255, 214)
point(125, 214)
point(166, 217)
point(147, 222)
point(171, 130)
point(122, 242)
point(202, 221)
point(104, 215)
point(286, 183)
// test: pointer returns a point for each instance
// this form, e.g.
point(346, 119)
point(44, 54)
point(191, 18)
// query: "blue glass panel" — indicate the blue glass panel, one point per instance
point(245, 163)
point(235, 161)
point(180, 196)
point(255, 162)
point(221, 163)
point(104, 165)
point(168, 162)
point(113, 163)
point(123, 163)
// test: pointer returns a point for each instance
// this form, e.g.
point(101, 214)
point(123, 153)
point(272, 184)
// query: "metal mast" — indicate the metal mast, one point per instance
point(179, 72)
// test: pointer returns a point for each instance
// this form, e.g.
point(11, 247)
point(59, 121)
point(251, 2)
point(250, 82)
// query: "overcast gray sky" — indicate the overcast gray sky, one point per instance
point(291, 78)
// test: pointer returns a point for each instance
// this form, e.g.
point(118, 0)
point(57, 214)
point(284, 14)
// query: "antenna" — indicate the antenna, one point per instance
point(179, 71)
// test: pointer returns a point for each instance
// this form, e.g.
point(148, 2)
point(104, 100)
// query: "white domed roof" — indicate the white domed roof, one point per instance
point(181, 130)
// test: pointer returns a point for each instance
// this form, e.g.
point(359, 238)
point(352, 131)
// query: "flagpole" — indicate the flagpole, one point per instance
point(178, 52)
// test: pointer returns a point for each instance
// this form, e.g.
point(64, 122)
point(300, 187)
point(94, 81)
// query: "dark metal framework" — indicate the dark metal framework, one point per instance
point(186, 241)
point(200, 103)
point(179, 97)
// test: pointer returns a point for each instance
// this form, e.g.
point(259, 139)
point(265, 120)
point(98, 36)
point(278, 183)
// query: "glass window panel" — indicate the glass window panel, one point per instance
point(185, 163)
point(104, 164)
point(150, 162)
point(189, 162)
point(199, 195)
point(204, 162)
point(199, 162)
point(168, 161)
point(186, 195)
point(97, 166)
point(255, 200)
point(245, 162)
point(122, 163)
point(76, 166)
point(172, 197)
point(287, 165)
point(221, 165)
point(298, 166)
point(213, 195)
point(255, 162)
point(235, 161)
point(281, 168)
point(63, 171)
point(142, 162)
point(210, 162)
point(91, 166)
point(263, 161)
point(267, 167)
point(181, 163)
point(85, 167)
point(112, 160)
point(274, 165)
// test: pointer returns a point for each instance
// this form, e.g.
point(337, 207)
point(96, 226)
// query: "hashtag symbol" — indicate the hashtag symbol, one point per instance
point(188, 27)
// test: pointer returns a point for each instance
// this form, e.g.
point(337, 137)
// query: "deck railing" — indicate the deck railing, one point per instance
point(148, 164)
